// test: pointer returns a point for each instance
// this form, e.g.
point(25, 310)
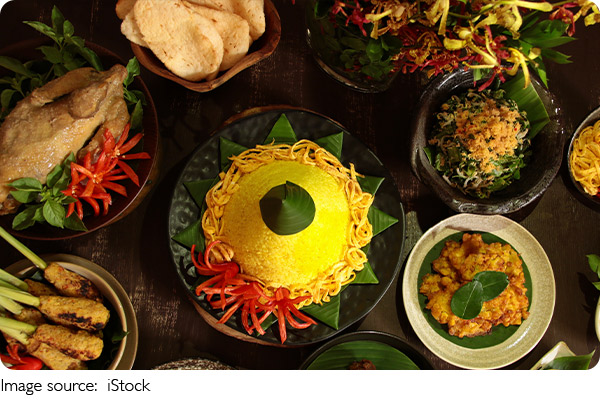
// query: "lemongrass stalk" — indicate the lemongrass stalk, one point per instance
point(10, 305)
point(8, 285)
point(13, 280)
point(34, 258)
point(16, 334)
point(20, 296)
point(17, 325)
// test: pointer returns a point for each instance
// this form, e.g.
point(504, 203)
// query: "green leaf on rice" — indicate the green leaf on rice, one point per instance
point(383, 356)
point(379, 220)
point(365, 276)
point(198, 190)
point(332, 143)
point(227, 149)
point(287, 209)
point(328, 313)
point(282, 132)
point(192, 235)
point(529, 101)
point(370, 184)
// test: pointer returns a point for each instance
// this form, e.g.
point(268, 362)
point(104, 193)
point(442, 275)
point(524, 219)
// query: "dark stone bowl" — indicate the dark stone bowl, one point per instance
point(547, 149)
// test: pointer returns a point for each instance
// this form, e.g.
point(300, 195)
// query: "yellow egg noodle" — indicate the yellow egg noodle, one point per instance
point(585, 158)
point(359, 232)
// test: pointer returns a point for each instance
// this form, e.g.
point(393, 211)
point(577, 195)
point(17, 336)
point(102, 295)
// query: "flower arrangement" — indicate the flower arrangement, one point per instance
point(436, 36)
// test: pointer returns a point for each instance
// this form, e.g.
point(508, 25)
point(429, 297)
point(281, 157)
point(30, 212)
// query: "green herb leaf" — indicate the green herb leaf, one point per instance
point(133, 70)
point(74, 223)
point(282, 132)
point(594, 262)
point(54, 213)
point(15, 65)
point(23, 196)
point(43, 29)
point(25, 218)
point(571, 362)
point(287, 209)
point(26, 184)
point(468, 300)
point(492, 282)
point(137, 116)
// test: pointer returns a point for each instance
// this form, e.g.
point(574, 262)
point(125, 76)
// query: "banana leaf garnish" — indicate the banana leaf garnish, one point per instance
point(287, 209)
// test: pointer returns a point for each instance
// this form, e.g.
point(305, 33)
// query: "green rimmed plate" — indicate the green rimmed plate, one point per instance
point(502, 346)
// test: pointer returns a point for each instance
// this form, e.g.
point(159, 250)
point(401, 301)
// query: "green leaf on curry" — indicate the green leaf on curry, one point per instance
point(332, 143)
point(282, 132)
point(499, 333)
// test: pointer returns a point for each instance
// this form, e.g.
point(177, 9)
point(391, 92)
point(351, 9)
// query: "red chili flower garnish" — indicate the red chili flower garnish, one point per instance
point(91, 180)
point(236, 290)
point(20, 363)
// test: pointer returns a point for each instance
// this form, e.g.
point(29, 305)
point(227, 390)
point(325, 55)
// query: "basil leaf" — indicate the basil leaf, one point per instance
point(43, 29)
point(58, 20)
point(287, 209)
point(492, 282)
point(74, 223)
point(467, 300)
point(24, 219)
point(15, 65)
point(137, 116)
point(54, 213)
point(133, 70)
point(23, 196)
point(26, 184)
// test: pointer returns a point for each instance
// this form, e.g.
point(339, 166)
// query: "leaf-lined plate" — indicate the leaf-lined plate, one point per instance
point(248, 130)
point(385, 351)
point(504, 345)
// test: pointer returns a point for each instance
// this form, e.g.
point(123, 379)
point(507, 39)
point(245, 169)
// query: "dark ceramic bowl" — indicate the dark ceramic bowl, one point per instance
point(592, 201)
point(373, 336)
point(547, 150)
point(147, 170)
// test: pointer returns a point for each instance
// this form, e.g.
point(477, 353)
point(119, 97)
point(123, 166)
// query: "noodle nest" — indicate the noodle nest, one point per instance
point(585, 159)
point(315, 262)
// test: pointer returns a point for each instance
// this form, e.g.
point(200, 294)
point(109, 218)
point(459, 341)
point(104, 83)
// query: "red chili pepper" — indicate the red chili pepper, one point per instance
point(20, 363)
point(237, 291)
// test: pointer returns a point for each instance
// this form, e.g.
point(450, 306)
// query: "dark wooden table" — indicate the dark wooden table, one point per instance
point(135, 249)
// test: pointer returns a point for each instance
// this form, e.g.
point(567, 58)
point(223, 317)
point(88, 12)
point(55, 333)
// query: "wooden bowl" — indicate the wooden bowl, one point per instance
point(262, 48)
point(147, 170)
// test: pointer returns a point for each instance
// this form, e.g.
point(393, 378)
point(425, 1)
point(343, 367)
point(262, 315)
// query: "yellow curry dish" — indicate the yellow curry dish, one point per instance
point(457, 265)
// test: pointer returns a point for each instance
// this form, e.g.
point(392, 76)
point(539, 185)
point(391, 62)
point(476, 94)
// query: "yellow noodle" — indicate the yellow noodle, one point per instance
point(327, 283)
point(585, 158)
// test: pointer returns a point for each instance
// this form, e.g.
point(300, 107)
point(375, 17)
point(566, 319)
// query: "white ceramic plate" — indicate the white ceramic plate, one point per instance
point(526, 336)
point(112, 291)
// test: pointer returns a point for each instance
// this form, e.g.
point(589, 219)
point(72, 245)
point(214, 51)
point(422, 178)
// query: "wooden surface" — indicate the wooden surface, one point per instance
point(135, 249)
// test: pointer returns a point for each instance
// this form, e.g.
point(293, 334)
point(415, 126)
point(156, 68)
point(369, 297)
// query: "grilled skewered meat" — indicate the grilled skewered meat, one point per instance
point(53, 358)
point(80, 313)
point(71, 284)
point(74, 343)
point(40, 289)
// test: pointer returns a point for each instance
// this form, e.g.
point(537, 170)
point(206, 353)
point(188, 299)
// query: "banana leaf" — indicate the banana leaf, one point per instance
point(528, 100)
point(282, 132)
point(383, 356)
point(332, 143)
point(499, 333)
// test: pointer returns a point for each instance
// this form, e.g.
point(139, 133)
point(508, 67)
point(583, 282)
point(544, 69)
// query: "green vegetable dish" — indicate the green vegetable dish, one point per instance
point(480, 142)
